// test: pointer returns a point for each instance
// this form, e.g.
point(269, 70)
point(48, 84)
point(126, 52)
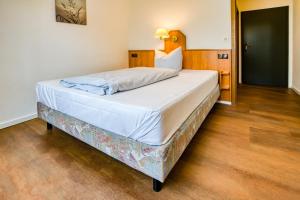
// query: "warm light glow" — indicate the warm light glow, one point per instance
point(162, 33)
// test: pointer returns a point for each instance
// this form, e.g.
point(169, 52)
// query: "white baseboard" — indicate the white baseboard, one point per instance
point(18, 120)
point(225, 103)
point(296, 90)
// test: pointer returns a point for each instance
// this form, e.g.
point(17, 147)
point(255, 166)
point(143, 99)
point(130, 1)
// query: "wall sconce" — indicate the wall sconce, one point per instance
point(163, 34)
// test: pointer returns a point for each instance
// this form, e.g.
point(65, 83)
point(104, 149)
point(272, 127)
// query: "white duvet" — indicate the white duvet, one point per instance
point(111, 82)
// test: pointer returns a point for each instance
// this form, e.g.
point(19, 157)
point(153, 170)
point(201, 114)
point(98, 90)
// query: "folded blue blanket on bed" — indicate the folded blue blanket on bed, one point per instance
point(108, 83)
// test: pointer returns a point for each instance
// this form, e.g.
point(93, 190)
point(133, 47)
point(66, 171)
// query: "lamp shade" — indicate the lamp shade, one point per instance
point(162, 33)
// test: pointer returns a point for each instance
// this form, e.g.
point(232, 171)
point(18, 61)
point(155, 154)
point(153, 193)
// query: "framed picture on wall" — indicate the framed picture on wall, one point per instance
point(71, 11)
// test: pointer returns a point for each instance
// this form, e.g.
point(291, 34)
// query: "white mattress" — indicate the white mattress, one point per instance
point(150, 114)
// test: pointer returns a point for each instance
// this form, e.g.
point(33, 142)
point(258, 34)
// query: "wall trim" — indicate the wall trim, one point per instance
point(296, 90)
point(18, 120)
point(225, 103)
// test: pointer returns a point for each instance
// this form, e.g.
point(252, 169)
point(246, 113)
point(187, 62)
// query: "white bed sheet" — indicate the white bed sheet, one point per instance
point(150, 114)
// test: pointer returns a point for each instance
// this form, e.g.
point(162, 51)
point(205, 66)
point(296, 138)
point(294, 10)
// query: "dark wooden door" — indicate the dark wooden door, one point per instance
point(265, 36)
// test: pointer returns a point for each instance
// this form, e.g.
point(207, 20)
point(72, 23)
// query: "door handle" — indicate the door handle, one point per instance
point(247, 47)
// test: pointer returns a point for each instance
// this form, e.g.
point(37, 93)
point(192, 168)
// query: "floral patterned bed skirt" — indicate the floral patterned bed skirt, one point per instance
point(154, 161)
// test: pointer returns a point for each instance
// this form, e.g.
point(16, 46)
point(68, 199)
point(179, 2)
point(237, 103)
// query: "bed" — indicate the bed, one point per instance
point(147, 128)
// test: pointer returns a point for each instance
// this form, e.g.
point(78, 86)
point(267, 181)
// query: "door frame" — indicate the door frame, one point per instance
point(234, 51)
point(290, 48)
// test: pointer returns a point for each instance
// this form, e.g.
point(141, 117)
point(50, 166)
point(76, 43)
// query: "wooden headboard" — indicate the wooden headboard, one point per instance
point(170, 45)
point(196, 59)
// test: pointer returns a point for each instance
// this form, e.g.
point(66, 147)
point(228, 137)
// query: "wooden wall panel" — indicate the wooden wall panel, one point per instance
point(141, 58)
point(196, 60)
point(200, 60)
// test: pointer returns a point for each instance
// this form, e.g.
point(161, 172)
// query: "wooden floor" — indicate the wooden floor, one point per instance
point(247, 151)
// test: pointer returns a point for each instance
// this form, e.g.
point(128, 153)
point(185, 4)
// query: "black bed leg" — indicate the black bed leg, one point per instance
point(49, 126)
point(157, 185)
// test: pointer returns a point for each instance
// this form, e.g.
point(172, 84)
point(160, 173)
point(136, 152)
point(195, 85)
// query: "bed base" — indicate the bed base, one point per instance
point(154, 161)
point(157, 185)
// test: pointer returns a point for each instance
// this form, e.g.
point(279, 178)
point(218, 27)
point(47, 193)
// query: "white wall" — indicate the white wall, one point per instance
point(206, 23)
point(296, 79)
point(34, 47)
point(247, 5)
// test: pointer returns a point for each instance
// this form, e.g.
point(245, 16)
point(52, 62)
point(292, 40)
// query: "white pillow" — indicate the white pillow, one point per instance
point(172, 60)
